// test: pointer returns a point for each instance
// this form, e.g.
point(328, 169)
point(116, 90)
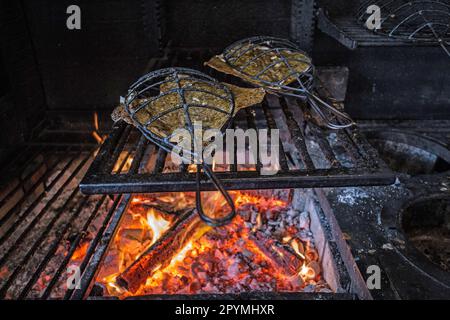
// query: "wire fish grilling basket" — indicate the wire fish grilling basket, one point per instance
point(421, 21)
point(279, 66)
point(174, 98)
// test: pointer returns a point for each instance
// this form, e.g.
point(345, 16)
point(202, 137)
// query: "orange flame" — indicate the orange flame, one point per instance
point(95, 133)
point(210, 253)
point(156, 224)
point(81, 251)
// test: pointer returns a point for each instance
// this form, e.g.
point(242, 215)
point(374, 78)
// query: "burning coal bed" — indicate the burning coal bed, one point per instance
point(162, 247)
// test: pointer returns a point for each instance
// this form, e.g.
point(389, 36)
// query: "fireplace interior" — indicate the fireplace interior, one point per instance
point(260, 253)
point(83, 198)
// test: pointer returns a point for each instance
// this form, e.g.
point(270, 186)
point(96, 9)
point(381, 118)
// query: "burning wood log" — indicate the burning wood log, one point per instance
point(288, 261)
point(160, 254)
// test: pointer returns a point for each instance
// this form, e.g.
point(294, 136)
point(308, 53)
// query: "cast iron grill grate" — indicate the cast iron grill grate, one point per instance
point(45, 219)
point(309, 156)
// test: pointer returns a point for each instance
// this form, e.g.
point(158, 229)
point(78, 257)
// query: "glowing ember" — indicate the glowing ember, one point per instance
point(81, 251)
point(235, 258)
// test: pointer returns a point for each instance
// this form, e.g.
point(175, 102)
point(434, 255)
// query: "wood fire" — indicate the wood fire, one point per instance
point(158, 252)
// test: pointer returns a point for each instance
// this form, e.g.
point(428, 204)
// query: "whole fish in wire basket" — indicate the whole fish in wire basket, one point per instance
point(278, 66)
point(212, 104)
point(165, 100)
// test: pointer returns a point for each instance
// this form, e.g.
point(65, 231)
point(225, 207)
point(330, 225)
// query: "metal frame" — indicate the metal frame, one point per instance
point(400, 26)
point(303, 19)
point(147, 88)
point(417, 21)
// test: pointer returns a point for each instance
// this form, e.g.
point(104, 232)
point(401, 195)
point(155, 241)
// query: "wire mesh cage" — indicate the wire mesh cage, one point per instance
point(165, 100)
point(174, 98)
point(422, 21)
point(281, 67)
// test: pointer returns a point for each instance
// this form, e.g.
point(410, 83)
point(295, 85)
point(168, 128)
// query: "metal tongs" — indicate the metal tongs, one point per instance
point(331, 117)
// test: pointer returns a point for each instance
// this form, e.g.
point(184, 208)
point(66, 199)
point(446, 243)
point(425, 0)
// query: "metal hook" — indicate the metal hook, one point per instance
point(214, 222)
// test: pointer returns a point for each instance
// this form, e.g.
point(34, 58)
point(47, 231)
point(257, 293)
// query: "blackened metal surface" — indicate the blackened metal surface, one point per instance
point(376, 239)
point(408, 151)
point(349, 33)
point(436, 130)
point(371, 219)
point(303, 23)
point(391, 78)
point(391, 83)
point(411, 21)
point(106, 184)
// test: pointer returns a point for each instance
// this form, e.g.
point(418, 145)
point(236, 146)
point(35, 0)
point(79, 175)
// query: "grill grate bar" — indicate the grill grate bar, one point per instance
point(297, 136)
point(111, 220)
point(23, 158)
point(38, 242)
point(35, 246)
point(108, 149)
point(54, 246)
point(251, 124)
point(318, 136)
point(140, 152)
point(71, 251)
point(234, 166)
point(19, 186)
point(120, 145)
point(96, 248)
point(160, 161)
point(271, 125)
point(30, 209)
point(38, 183)
point(352, 33)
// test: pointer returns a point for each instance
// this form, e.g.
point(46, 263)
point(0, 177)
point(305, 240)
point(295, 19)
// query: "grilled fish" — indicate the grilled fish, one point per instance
point(263, 66)
point(208, 104)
